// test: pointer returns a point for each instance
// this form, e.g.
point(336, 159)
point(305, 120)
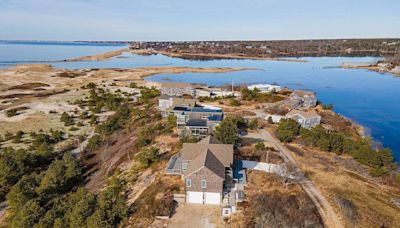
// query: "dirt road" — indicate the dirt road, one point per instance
point(326, 211)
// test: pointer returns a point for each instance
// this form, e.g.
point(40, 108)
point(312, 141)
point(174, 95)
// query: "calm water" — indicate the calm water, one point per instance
point(12, 53)
point(369, 98)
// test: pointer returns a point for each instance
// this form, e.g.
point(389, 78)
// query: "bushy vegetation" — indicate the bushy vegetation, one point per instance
point(115, 122)
point(68, 120)
point(228, 129)
point(41, 196)
point(287, 130)
point(11, 112)
point(255, 95)
point(380, 161)
point(147, 156)
point(234, 102)
point(260, 146)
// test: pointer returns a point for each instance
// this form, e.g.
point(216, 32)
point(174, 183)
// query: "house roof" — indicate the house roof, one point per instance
point(306, 115)
point(203, 109)
point(209, 153)
point(206, 159)
point(302, 93)
point(175, 85)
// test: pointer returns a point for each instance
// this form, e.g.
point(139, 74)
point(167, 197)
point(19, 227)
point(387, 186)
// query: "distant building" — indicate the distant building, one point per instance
point(165, 102)
point(303, 99)
point(215, 92)
point(177, 89)
point(305, 119)
point(203, 93)
point(264, 88)
point(275, 118)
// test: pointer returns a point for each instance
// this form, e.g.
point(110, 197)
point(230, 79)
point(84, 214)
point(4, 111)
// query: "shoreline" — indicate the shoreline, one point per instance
point(209, 56)
point(373, 67)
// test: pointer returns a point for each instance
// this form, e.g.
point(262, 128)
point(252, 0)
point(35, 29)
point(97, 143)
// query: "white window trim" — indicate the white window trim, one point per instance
point(184, 166)
point(188, 183)
point(203, 184)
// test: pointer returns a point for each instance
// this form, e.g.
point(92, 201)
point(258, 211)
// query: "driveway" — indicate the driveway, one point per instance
point(193, 216)
point(331, 219)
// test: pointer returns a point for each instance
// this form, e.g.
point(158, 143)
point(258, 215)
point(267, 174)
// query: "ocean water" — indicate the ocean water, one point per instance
point(12, 52)
point(369, 98)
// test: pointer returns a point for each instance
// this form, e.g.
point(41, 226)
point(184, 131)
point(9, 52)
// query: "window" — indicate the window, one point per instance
point(188, 183)
point(184, 166)
point(203, 183)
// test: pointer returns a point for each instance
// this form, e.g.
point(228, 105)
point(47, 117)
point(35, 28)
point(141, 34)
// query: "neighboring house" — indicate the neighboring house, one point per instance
point(305, 119)
point(206, 168)
point(165, 102)
point(303, 98)
point(200, 128)
point(177, 89)
point(203, 93)
point(275, 118)
point(215, 92)
point(265, 88)
point(184, 114)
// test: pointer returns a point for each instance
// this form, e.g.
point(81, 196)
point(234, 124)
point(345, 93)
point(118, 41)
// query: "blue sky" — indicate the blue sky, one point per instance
point(198, 20)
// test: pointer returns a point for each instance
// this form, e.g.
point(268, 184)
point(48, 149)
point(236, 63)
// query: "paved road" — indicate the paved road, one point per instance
point(328, 215)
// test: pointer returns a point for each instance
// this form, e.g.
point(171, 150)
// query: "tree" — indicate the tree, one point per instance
point(22, 192)
point(94, 142)
point(287, 130)
point(29, 215)
point(81, 205)
point(227, 131)
point(111, 208)
point(61, 176)
point(13, 165)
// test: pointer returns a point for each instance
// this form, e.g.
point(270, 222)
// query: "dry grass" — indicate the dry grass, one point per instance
point(269, 203)
point(370, 198)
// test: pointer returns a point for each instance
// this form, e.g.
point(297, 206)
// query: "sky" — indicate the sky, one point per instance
point(179, 20)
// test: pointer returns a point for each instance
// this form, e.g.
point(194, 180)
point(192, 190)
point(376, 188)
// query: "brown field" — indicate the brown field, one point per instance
point(340, 178)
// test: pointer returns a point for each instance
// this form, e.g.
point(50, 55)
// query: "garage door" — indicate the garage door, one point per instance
point(212, 198)
point(195, 197)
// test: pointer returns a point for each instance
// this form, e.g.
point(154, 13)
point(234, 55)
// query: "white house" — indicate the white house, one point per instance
point(265, 88)
point(305, 119)
point(275, 118)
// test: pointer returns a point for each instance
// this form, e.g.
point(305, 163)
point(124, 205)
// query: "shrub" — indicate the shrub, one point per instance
point(147, 156)
point(234, 102)
point(67, 119)
point(11, 112)
point(287, 130)
point(253, 125)
point(94, 142)
point(260, 146)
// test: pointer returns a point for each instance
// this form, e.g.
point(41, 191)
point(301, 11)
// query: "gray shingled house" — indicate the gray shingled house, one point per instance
point(305, 119)
point(177, 89)
point(303, 99)
point(206, 168)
